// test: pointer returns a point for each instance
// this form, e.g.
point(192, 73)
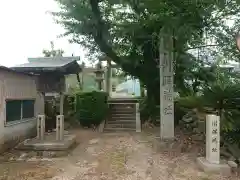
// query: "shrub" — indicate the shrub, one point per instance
point(148, 110)
point(190, 102)
point(69, 106)
point(91, 108)
point(179, 112)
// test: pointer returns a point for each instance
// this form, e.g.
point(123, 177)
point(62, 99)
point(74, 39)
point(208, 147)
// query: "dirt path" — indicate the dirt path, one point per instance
point(120, 156)
point(125, 156)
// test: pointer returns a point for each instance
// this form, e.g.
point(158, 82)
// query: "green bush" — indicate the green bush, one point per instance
point(150, 111)
point(91, 107)
point(190, 102)
point(179, 112)
point(69, 106)
point(147, 110)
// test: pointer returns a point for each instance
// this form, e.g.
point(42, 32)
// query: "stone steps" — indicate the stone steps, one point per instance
point(126, 118)
point(121, 122)
point(122, 115)
point(120, 125)
point(119, 129)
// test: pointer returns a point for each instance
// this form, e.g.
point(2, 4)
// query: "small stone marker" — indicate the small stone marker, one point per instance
point(212, 161)
point(59, 127)
point(213, 139)
point(40, 127)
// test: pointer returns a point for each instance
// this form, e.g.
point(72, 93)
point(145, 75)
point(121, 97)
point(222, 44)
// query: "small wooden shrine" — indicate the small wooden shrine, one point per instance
point(50, 78)
point(50, 72)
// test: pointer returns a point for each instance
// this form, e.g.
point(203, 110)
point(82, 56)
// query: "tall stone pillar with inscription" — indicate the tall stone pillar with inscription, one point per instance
point(211, 163)
point(166, 88)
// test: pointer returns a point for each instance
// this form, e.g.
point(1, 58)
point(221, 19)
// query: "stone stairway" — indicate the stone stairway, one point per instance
point(122, 115)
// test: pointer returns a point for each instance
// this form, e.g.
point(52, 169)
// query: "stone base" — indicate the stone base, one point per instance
point(48, 144)
point(222, 168)
point(160, 144)
point(101, 126)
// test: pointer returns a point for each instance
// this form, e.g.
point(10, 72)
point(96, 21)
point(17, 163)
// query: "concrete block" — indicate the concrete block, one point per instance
point(101, 126)
point(221, 168)
point(162, 145)
point(48, 144)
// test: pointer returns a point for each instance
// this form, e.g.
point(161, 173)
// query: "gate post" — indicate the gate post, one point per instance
point(138, 120)
point(59, 127)
point(40, 127)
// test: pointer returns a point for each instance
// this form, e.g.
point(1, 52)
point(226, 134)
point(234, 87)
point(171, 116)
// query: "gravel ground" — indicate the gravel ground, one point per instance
point(117, 156)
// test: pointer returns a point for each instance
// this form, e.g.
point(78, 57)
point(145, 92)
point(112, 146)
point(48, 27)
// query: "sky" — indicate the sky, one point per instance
point(26, 29)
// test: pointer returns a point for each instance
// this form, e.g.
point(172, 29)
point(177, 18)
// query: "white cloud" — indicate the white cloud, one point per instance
point(26, 29)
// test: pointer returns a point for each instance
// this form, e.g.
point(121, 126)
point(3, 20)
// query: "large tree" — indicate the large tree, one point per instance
point(127, 31)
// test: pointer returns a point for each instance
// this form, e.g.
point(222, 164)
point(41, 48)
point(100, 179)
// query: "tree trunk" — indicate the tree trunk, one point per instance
point(142, 89)
point(79, 81)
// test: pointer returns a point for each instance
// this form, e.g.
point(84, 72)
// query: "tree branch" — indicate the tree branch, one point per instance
point(210, 45)
point(101, 32)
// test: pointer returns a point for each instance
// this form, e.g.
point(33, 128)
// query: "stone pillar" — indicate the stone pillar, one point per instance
point(109, 78)
point(166, 88)
point(61, 103)
point(213, 139)
point(138, 120)
point(59, 127)
point(40, 127)
point(211, 163)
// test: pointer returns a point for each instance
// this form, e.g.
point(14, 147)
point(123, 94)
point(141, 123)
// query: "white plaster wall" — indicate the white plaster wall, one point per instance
point(17, 86)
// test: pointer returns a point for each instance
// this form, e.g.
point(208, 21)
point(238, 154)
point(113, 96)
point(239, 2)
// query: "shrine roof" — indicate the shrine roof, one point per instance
point(3, 68)
point(62, 65)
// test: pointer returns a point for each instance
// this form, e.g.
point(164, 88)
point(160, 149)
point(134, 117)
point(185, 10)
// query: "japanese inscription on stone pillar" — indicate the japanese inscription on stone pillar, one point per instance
point(213, 139)
point(166, 88)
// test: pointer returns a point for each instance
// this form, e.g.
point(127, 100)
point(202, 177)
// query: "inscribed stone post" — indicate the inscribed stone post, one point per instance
point(212, 163)
point(166, 88)
point(40, 126)
point(213, 139)
point(60, 127)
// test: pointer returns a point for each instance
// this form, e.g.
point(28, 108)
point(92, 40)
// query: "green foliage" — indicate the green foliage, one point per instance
point(151, 112)
point(190, 102)
point(91, 107)
point(221, 97)
point(179, 112)
point(53, 52)
point(69, 106)
point(128, 33)
point(148, 110)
